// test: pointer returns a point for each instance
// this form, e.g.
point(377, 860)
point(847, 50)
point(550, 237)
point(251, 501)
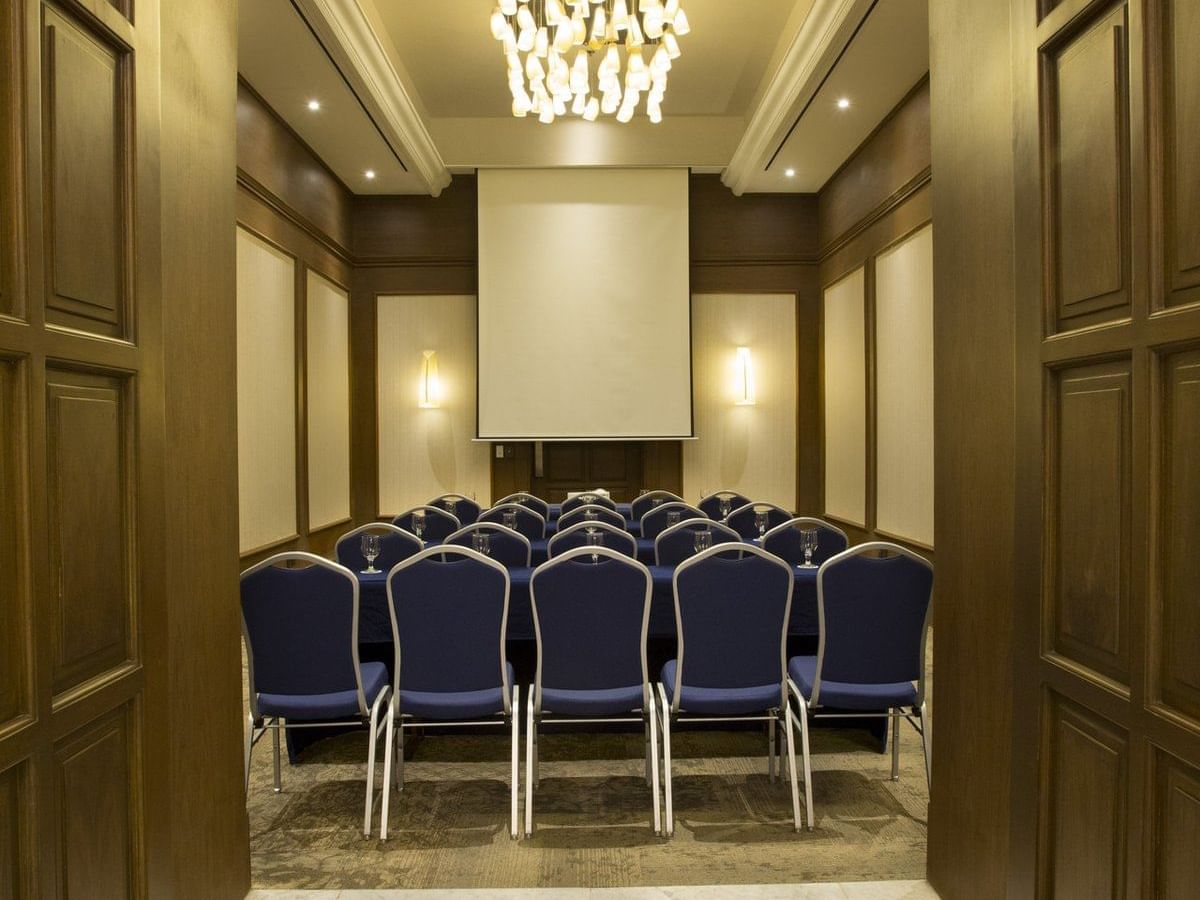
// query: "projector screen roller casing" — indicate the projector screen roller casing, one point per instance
point(584, 305)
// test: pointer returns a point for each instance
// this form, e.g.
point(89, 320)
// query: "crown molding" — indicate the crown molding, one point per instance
point(813, 50)
point(350, 40)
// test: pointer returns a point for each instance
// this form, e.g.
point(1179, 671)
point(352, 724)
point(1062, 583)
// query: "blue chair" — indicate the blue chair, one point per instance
point(449, 608)
point(460, 506)
point(594, 512)
point(678, 542)
point(585, 499)
point(576, 536)
point(643, 503)
point(537, 504)
point(509, 548)
point(874, 619)
point(591, 613)
point(395, 544)
point(745, 519)
point(432, 524)
point(300, 626)
point(525, 520)
point(785, 540)
point(658, 519)
point(731, 616)
point(720, 504)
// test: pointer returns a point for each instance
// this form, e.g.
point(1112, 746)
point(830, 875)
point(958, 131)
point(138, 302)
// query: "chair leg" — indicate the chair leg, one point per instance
point(791, 749)
point(400, 753)
point(513, 823)
point(249, 747)
point(665, 719)
point(771, 749)
point(653, 716)
point(372, 737)
point(802, 715)
point(275, 748)
point(925, 747)
point(895, 745)
point(646, 741)
point(388, 752)
point(530, 738)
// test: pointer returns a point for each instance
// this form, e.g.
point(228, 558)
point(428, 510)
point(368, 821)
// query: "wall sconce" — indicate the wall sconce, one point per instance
point(431, 388)
point(745, 378)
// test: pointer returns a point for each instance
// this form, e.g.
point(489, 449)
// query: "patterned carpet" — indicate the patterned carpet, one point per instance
point(449, 827)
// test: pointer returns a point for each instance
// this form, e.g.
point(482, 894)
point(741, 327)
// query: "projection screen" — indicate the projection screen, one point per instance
point(584, 304)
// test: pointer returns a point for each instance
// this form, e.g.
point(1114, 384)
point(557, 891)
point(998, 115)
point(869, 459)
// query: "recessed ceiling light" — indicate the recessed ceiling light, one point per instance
point(843, 103)
point(790, 173)
point(314, 105)
point(370, 174)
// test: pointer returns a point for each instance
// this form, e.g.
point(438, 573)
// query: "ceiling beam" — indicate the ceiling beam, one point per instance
point(355, 48)
point(814, 49)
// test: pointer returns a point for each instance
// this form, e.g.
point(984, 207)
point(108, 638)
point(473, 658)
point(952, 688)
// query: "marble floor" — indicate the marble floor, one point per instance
point(860, 890)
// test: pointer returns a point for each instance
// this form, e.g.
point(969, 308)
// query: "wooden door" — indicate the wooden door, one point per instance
point(82, 603)
point(1106, 786)
point(567, 466)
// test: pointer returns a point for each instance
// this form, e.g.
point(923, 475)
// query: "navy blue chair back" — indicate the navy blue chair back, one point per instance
point(438, 526)
point(395, 544)
point(744, 519)
point(678, 542)
point(576, 536)
point(596, 511)
point(301, 627)
point(462, 508)
point(712, 504)
point(528, 522)
point(449, 617)
point(537, 504)
point(590, 620)
point(731, 614)
point(785, 540)
point(509, 548)
point(656, 520)
point(643, 503)
point(873, 615)
point(585, 499)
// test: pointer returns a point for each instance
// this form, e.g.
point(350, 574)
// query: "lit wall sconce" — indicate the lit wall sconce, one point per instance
point(745, 378)
point(431, 387)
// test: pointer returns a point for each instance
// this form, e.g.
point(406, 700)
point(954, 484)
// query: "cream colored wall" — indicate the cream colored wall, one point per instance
point(845, 389)
point(750, 449)
point(904, 391)
point(266, 352)
point(328, 393)
point(427, 452)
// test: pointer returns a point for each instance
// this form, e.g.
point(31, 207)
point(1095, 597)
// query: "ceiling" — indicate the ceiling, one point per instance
point(408, 87)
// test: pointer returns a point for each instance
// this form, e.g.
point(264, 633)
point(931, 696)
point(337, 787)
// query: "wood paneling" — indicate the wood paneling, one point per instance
point(85, 100)
point(615, 466)
point(327, 377)
point(1180, 124)
point(1086, 155)
point(91, 538)
point(1087, 604)
point(1177, 623)
point(845, 400)
point(99, 831)
point(14, 826)
point(14, 639)
point(1175, 865)
point(1084, 798)
point(11, 207)
point(415, 230)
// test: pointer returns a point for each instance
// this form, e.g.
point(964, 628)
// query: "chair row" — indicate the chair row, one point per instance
point(591, 606)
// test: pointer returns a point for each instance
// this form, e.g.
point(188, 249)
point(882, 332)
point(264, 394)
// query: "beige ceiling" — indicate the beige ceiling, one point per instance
point(444, 58)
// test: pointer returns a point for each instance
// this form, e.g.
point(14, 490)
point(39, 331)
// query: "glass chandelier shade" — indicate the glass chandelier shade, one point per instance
point(588, 57)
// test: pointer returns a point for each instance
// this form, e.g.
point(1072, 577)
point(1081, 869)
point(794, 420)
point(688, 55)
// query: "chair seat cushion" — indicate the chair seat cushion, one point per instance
point(451, 705)
point(335, 705)
point(601, 702)
point(803, 671)
point(720, 701)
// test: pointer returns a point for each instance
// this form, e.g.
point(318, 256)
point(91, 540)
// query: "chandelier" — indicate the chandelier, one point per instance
point(545, 84)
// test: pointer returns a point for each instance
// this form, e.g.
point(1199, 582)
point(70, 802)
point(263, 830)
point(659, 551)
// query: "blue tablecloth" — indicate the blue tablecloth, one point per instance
point(645, 552)
point(375, 624)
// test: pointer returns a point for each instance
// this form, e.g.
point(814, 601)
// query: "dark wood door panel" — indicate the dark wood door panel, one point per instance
point(1181, 149)
point(14, 824)
point(11, 302)
point(615, 466)
point(1175, 864)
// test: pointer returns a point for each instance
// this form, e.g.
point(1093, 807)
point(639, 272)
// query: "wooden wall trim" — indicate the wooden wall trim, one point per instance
point(879, 213)
point(282, 209)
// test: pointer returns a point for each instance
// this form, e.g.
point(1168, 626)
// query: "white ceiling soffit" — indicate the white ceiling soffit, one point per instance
point(870, 51)
point(351, 40)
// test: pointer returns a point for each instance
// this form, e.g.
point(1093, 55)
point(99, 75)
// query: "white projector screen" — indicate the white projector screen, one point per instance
point(584, 304)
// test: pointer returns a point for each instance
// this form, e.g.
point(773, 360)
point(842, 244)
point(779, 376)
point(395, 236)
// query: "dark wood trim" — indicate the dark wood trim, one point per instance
point(283, 210)
point(880, 212)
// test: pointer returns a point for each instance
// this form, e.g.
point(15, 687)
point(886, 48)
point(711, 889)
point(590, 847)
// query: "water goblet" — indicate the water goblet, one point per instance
point(808, 542)
point(451, 505)
point(674, 517)
point(370, 549)
point(509, 519)
point(761, 521)
point(418, 523)
point(590, 514)
point(725, 504)
point(481, 542)
point(594, 538)
point(702, 539)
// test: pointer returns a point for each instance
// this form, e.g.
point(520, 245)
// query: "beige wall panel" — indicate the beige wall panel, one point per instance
point(845, 387)
point(904, 388)
point(328, 335)
point(750, 449)
point(266, 339)
point(427, 452)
